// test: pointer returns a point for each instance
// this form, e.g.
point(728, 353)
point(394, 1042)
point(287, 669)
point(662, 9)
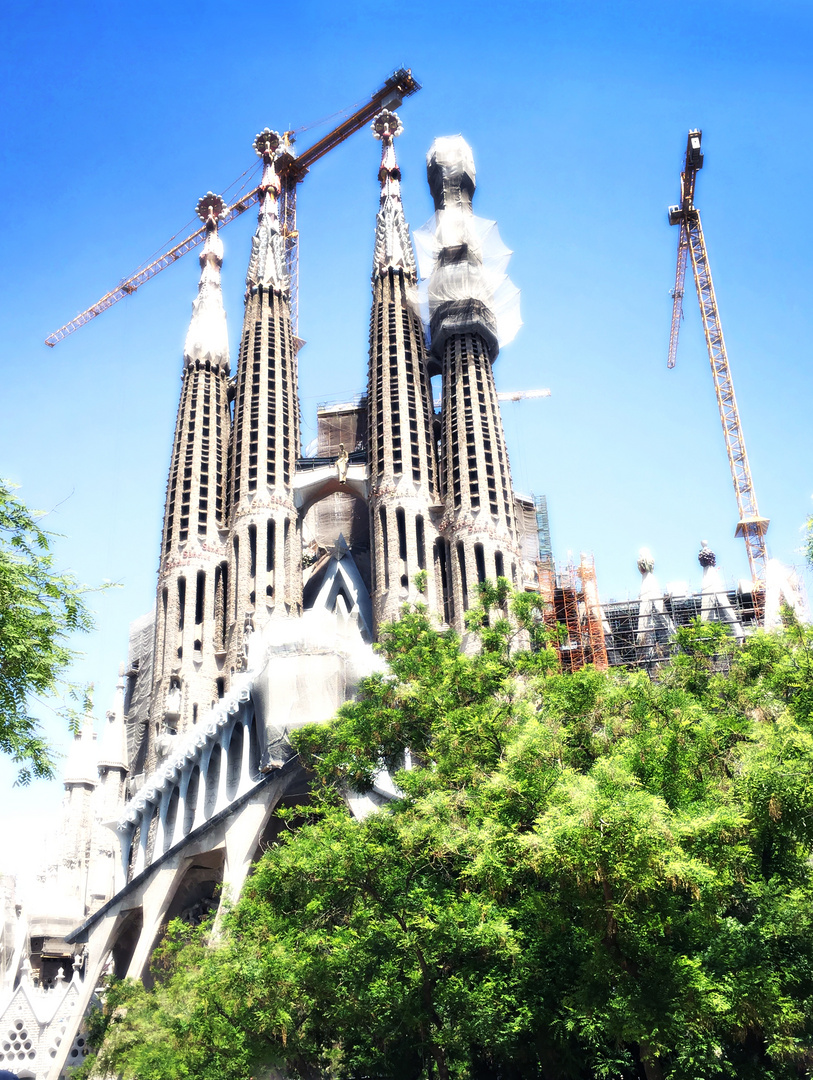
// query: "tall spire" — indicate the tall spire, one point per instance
point(266, 267)
point(392, 244)
point(401, 453)
point(265, 549)
point(208, 338)
point(189, 631)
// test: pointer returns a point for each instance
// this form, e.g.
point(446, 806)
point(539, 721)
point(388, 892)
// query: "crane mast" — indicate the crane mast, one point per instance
point(292, 170)
point(691, 245)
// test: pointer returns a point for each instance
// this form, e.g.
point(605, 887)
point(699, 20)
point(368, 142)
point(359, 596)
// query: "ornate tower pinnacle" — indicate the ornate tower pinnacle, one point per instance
point(266, 268)
point(392, 243)
point(207, 337)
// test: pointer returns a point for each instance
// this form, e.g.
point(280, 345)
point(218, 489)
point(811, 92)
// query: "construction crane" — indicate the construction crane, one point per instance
point(292, 169)
point(691, 244)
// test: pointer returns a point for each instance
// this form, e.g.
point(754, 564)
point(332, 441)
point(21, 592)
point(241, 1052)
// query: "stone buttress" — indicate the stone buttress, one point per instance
point(265, 548)
point(190, 608)
point(478, 528)
point(401, 445)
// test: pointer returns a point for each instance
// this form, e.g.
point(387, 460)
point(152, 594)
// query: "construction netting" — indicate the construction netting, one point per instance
point(338, 425)
point(462, 256)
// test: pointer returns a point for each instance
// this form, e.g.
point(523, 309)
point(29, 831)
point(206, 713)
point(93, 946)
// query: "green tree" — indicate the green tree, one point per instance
point(589, 875)
point(39, 609)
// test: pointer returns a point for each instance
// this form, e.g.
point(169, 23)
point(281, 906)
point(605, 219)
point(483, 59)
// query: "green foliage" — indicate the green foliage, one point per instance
point(39, 609)
point(589, 875)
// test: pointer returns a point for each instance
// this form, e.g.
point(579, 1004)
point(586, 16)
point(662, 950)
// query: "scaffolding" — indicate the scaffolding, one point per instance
point(629, 647)
point(573, 613)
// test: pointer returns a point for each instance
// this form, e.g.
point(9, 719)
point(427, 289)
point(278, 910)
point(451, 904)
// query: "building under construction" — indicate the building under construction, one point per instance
point(277, 569)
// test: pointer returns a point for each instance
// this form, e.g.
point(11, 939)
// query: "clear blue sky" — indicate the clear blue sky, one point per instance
point(117, 118)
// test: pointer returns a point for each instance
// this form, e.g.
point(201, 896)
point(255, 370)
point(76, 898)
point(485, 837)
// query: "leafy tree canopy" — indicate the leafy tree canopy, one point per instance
point(39, 609)
point(589, 875)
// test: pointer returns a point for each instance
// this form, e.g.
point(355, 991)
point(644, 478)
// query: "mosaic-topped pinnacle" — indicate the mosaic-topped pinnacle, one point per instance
point(266, 143)
point(646, 564)
point(706, 556)
point(210, 209)
point(387, 125)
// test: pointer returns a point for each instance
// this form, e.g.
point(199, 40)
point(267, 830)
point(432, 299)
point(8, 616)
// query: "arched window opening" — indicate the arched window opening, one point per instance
point(499, 564)
point(200, 594)
point(269, 547)
point(480, 560)
point(252, 551)
point(440, 564)
point(181, 601)
point(382, 516)
point(420, 541)
point(236, 565)
point(400, 521)
point(461, 560)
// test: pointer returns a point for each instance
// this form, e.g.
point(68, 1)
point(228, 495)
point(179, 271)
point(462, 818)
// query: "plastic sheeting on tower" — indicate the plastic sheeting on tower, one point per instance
point(482, 276)
point(461, 257)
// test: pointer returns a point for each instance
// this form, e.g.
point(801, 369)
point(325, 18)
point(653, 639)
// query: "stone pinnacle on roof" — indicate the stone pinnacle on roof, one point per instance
point(266, 266)
point(207, 337)
point(393, 247)
point(113, 748)
point(80, 768)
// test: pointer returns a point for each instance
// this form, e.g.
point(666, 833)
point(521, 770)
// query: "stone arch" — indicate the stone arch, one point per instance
point(234, 760)
point(126, 940)
point(212, 780)
point(254, 748)
point(334, 511)
point(193, 897)
point(171, 817)
point(191, 800)
point(320, 483)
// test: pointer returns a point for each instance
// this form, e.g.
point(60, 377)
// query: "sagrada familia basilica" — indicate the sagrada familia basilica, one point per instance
point(276, 571)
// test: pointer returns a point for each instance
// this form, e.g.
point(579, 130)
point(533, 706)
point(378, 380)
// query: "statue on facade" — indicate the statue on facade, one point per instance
point(342, 462)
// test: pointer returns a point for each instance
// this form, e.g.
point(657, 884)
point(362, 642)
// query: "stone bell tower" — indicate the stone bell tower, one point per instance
point(478, 526)
point(265, 549)
point(401, 445)
point(190, 608)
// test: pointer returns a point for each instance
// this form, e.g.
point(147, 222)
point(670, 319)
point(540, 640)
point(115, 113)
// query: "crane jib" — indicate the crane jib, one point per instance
point(292, 170)
point(691, 243)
